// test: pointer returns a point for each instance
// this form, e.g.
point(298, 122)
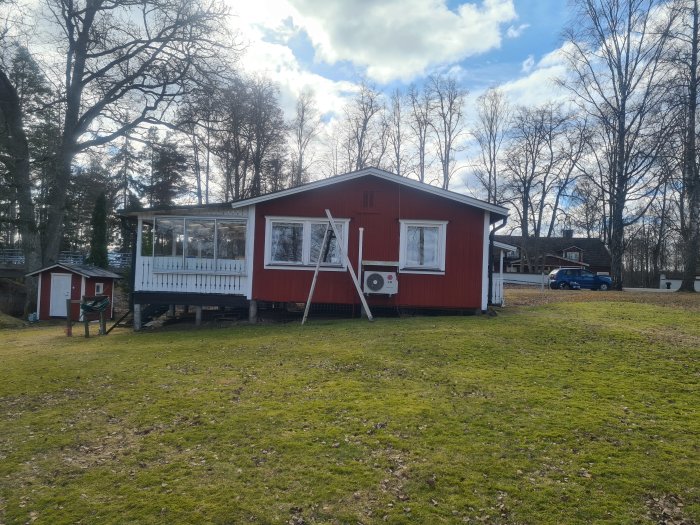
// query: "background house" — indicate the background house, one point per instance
point(542, 255)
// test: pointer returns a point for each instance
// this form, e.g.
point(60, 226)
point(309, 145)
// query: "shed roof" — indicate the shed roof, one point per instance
point(86, 270)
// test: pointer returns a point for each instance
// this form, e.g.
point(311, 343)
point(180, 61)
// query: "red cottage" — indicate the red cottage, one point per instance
point(412, 246)
point(59, 282)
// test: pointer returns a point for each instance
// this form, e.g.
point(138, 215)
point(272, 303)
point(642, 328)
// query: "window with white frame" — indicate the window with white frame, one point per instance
point(99, 288)
point(422, 246)
point(294, 242)
point(196, 244)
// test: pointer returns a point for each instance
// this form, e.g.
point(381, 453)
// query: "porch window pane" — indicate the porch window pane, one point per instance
point(317, 232)
point(422, 246)
point(230, 246)
point(287, 242)
point(147, 239)
point(200, 244)
point(231, 240)
point(169, 237)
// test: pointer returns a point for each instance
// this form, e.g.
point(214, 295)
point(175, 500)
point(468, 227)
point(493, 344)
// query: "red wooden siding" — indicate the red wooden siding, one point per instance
point(108, 283)
point(76, 283)
point(44, 314)
point(377, 205)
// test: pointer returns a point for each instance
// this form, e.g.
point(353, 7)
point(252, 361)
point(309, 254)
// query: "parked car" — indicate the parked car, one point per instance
point(577, 278)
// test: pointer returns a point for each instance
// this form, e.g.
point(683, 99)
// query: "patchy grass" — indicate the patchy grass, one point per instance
point(570, 412)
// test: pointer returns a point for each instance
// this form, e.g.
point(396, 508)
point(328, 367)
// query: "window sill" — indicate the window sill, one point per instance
point(419, 271)
point(304, 267)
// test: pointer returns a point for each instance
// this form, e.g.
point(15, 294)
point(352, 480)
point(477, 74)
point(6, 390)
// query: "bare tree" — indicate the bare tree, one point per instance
point(232, 136)
point(360, 117)
point(448, 124)
point(614, 53)
point(419, 121)
point(267, 133)
point(123, 54)
point(397, 132)
point(490, 132)
point(684, 60)
point(304, 128)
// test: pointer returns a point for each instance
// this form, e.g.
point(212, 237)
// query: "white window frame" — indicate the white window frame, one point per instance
point(306, 262)
point(568, 255)
point(442, 245)
point(101, 289)
point(183, 256)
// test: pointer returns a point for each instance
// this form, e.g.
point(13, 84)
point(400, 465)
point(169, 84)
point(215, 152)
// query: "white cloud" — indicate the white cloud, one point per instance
point(528, 64)
point(400, 39)
point(538, 85)
point(516, 31)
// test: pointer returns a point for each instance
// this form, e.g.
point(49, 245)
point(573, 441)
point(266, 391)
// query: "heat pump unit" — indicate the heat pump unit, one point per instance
point(381, 283)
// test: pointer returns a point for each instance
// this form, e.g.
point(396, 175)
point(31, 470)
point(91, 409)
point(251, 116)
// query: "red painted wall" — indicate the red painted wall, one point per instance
point(460, 287)
point(75, 292)
point(46, 293)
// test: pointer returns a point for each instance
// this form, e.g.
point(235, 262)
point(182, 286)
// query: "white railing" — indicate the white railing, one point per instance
point(497, 291)
point(169, 274)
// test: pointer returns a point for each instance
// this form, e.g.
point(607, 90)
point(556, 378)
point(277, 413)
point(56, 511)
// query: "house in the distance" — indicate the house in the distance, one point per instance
point(542, 255)
point(412, 246)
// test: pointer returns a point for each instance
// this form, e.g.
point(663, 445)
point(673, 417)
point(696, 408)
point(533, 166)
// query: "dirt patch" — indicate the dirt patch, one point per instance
point(667, 510)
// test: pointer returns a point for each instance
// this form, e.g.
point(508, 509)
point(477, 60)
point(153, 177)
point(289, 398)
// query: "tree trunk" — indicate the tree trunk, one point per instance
point(19, 169)
point(691, 237)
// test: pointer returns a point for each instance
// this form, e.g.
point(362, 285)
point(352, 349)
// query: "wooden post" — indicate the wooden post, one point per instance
point(198, 316)
point(321, 254)
point(137, 317)
point(103, 323)
point(349, 264)
point(87, 326)
point(253, 311)
point(69, 323)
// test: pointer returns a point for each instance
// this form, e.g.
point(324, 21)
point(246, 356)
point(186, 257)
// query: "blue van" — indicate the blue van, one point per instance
point(577, 278)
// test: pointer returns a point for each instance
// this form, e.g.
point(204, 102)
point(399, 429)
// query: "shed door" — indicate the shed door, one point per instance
point(60, 291)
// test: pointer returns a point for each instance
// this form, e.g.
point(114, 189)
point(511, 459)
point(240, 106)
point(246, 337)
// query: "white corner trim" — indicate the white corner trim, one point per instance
point(250, 251)
point(485, 266)
point(38, 298)
point(82, 294)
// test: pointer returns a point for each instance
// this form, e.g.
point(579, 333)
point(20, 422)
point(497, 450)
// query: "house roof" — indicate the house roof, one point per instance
point(504, 246)
point(86, 270)
point(594, 251)
point(498, 212)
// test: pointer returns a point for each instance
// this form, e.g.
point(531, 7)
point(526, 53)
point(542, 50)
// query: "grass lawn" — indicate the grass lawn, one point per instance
point(583, 411)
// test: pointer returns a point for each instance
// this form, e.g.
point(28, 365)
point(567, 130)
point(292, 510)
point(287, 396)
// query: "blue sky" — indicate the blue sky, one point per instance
point(330, 45)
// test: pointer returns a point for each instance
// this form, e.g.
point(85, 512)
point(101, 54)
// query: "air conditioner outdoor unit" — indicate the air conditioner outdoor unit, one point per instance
point(381, 283)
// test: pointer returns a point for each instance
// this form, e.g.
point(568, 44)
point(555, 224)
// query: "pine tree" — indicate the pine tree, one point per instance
point(168, 168)
point(98, 240)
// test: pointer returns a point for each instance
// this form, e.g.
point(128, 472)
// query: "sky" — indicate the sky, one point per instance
point(331, 45)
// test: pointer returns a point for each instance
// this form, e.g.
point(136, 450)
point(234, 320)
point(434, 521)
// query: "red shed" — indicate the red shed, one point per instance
point(59, 282)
